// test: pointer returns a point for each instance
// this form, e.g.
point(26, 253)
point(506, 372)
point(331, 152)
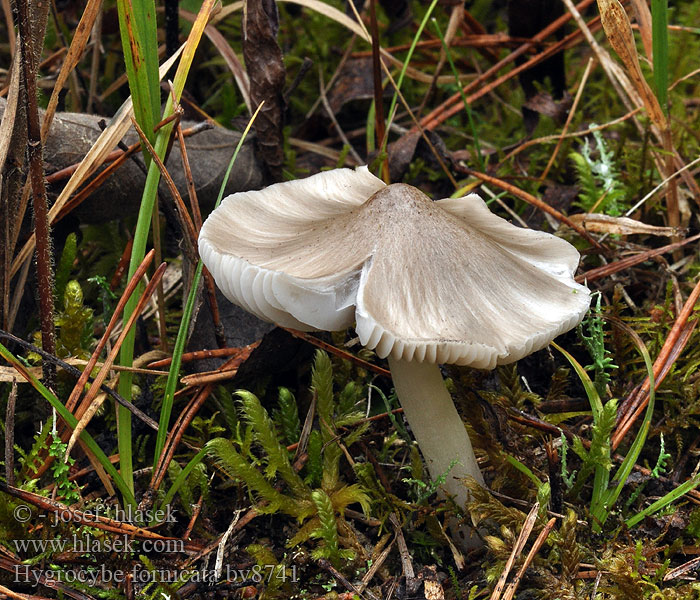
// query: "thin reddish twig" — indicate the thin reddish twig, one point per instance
point(452, 105)
point(202, 354)
point(131, 286)
point(631, 261)
point(673, 345)
point(302, 335)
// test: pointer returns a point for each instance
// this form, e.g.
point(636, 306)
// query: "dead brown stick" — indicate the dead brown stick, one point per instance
point(36, 175)
point(631, 261)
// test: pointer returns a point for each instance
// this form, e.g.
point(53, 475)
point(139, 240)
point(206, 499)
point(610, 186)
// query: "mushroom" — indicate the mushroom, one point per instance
point(425, 283)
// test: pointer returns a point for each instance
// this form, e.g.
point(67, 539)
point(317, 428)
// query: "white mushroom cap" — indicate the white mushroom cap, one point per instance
point(445, 281)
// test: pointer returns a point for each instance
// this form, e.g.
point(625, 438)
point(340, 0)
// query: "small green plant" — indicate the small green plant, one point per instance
point(598, 178)
point(259, 458)
point(423, 490)
point(597, 459)
point(74, 323)
point(286, 416)
point(66, 489)
point(595, 344)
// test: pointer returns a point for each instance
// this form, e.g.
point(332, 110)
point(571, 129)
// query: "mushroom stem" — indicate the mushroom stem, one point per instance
point(436, 425)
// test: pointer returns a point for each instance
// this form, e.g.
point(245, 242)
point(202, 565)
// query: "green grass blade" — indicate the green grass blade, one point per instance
point(633, 454)
point(467, 106)
point(406, 62)
point(143, 223)
point(525, 470)
point(182, 477)
point(174, 372)
point(137, 25)
point(588, 385)
point(664, 501)
point(659, 44)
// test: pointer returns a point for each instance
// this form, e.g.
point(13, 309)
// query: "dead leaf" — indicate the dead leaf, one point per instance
point(402, 151)
point(642, 15)
point(263, 59)
point(619, 32)
point(600, 223)
point(354, 82)
point(544, 104)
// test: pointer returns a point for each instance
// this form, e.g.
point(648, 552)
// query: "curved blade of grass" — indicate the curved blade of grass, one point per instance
point(141, 234)
point(406, 62)
point(525, 470)
point(630, 460)
point(69, 418)
point(601, 476)
point(174, 372)
point(588, 385)
point(664, 501)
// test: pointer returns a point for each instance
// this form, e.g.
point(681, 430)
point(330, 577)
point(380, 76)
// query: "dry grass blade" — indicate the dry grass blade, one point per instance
point(230, 58)
point(89, 406)
point(108, 139)
point(81, 36)
point(642, 15)
point(541, 538)
point(619, 32)
point(208, 377)
point(635, 91)
point(691, 565)
point(10, 434)
point(8, 119)
point(600, 223)
point(517, 550)
point(7, 126)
